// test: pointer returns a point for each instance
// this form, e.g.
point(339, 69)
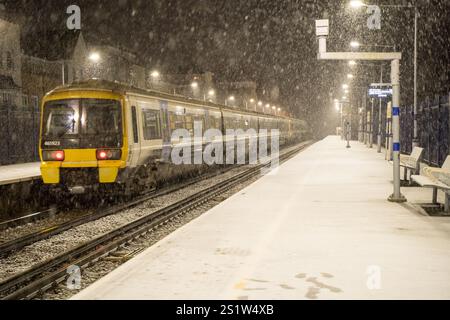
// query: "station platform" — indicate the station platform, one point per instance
point(15, 173)
point(320, 227)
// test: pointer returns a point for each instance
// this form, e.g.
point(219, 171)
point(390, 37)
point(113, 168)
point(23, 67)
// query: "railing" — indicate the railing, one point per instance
point(433, 129)
point(19, 134)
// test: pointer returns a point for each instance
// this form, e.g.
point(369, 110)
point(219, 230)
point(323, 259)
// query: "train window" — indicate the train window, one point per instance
point(152, 124)
point(135, 126)
point(200, 118)
point(214, 123)
point(101, 117)
point(61, 118)
point(176, 120)
point(189, 124)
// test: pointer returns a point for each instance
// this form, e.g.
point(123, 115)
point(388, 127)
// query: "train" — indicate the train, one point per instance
point(103, 136)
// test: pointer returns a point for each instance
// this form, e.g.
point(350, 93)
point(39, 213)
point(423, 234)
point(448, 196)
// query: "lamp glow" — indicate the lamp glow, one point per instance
point(94, 57)
point(355, 44)
point(356, 4)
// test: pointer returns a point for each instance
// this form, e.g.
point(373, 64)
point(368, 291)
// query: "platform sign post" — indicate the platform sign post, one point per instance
point(322, 31)
point(372, 118)
point(379, 116)
point(395, 78)
point(388, 131)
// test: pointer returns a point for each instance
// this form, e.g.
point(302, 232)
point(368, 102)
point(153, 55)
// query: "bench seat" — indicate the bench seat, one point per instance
point(426, 182)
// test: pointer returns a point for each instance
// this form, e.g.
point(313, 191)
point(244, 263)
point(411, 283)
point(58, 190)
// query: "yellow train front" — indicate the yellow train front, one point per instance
point(103, 136)
point(82, 138)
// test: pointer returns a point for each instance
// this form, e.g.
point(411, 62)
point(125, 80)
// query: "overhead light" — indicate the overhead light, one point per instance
point(345, 86)
point(231, 98)
point(352, 63)
point(349, 76)
point(155, 74)
point(94, 57)
point(194, 84)
point(252, 100)
point(211, 92)
point(260, 103)
point(356, 4)
point(267, 105)
point(354, 44)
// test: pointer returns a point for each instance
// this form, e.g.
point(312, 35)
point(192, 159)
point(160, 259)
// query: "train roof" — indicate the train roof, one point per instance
point(121, 88)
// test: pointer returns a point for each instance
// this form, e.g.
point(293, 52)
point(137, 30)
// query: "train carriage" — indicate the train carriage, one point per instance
point(100, 135)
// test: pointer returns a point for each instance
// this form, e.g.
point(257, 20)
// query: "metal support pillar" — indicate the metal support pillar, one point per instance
point(395, 79)
point(371, 124)
point(415, 141)
point(379, 116)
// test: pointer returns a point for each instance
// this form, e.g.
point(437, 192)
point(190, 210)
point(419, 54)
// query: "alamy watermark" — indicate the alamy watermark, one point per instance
point(73, 281)
point(373, 277)
point(374, 20)
point(240, 146)
point(74, 20)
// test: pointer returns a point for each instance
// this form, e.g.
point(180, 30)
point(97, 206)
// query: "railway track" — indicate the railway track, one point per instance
point(10, 246)
point(28, 218)
point(45, 275)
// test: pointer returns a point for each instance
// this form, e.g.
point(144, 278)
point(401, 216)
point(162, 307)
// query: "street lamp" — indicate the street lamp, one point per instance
point(194, 85)
point(345, 86)
point(354, 44)
point(155, 74)
point(260, 104)
point(350, 76)
point(230, 98)
point(358, 4)
point(211, 94)
point(94, 57)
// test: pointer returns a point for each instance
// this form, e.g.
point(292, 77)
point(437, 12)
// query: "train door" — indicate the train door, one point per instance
point(134, 139)
point(166, 144)
point(151, 142)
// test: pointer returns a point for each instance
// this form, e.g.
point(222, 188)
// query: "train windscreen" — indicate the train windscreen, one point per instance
point(82, 123)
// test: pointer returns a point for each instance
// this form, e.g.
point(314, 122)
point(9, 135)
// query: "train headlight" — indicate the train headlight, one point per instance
point(109, 154)
point(53, 155)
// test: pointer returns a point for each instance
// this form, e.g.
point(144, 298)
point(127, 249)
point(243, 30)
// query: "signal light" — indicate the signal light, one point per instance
point(53, 155)
point(109, 154)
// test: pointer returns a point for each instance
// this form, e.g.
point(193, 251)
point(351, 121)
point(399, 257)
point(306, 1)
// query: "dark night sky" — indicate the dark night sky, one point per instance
point(270, 42)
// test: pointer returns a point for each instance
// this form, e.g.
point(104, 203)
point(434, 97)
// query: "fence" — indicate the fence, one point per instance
point(19, 132)
point(433, 129)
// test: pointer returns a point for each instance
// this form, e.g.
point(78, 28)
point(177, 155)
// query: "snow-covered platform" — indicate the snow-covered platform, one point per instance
point(16, 173)
point(319, 228)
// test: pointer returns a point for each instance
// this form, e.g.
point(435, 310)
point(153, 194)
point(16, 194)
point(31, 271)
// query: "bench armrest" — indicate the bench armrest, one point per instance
point(437, 174)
